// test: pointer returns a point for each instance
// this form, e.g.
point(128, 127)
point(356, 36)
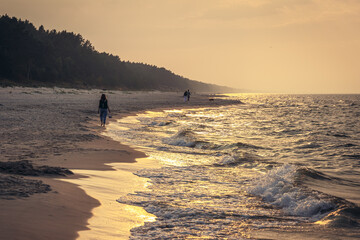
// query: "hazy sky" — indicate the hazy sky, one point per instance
point(296, 46)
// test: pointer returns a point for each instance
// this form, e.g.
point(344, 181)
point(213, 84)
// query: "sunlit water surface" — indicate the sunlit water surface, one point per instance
point(275, 167)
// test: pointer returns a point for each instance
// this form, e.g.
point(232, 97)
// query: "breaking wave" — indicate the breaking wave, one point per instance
point(279, 188)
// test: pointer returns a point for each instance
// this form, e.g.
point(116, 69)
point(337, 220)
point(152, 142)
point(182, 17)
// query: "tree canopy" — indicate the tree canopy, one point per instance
point(39, 57)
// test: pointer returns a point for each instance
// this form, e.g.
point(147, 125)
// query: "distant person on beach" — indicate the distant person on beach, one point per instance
point(103, 109)
point(188, 95)
point(185, 95)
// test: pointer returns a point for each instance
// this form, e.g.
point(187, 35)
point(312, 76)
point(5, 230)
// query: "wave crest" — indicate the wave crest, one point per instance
point(278, 187)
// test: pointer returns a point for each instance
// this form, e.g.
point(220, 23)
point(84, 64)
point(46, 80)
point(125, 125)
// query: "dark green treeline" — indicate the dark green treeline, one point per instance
point(39, 57)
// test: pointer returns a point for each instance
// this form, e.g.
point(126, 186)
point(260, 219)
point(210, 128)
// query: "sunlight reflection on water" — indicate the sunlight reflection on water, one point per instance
point(240, 171)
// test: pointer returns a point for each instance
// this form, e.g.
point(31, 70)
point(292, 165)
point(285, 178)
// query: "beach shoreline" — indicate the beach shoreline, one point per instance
point(67, 208)
point(76, 144)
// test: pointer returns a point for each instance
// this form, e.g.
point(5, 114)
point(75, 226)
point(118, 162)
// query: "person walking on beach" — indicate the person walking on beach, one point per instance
point(185, 95)
point(188, 95)
point(103, 109)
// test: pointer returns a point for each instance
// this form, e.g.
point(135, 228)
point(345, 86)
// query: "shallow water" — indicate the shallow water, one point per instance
point(275, 167)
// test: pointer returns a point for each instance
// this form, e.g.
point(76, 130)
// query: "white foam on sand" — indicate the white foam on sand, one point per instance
point(112, 220)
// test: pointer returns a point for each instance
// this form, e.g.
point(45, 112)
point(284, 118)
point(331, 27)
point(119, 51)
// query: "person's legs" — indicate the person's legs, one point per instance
point(103, 113)
point(104, 116)
point(101, 117)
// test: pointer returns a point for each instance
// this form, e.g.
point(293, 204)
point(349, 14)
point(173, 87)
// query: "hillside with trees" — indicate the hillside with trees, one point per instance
point(39, 57)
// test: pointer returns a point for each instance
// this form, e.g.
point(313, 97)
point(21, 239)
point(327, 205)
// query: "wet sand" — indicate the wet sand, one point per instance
point(59, 127)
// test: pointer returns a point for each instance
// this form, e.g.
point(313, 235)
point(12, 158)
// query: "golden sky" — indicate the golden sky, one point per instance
point(291, 46)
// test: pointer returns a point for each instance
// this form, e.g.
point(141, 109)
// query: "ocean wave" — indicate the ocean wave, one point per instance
point(291, 131)
point(339, 135)
point(279, 188)
point(228, 160)
point(353, 156)
point(234, 146)
point(307, 175)
point(160, 124)
point(184, 137)
point(344, 217)
point(311, 173)
point(309, 145)
point(241, 145)
point(347, 145)
point(187, 138)
point(237, 159)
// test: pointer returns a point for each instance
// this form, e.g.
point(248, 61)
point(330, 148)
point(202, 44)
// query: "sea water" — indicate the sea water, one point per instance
point(274, 167)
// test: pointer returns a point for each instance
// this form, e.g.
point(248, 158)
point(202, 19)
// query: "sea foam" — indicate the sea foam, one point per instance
point(183, 137)
point(278, 187)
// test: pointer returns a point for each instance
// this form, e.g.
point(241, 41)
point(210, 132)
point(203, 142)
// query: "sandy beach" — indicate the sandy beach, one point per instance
point(44, 132)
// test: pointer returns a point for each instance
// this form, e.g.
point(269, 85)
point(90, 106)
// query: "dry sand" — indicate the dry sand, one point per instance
point(60, 128)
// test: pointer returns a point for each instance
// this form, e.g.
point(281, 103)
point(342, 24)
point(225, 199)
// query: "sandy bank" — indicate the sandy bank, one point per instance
point(59, 127)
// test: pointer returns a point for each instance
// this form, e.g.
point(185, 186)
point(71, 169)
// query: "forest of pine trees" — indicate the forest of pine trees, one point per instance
point(39, 57)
